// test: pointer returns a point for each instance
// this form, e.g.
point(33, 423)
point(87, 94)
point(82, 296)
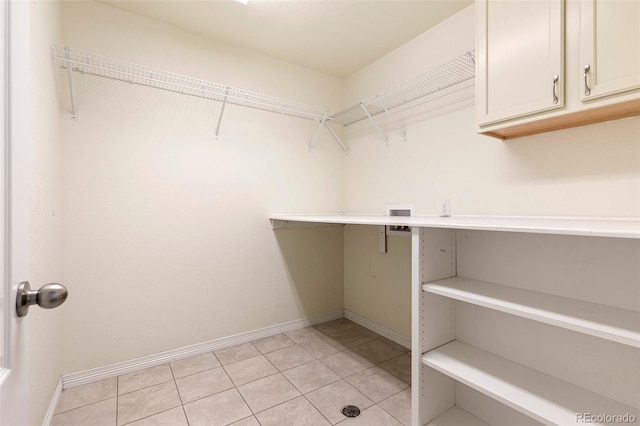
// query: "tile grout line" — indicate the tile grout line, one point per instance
point(117, 398)
point(303, 395)
point(280, 373)
point(159, 412)
point(378, 404)
point(150, 415)
point(236, 386)
point(316, 408)
point(147, 387)
point(86, 405)
point(374, 365)
point(391, 372)
point(178, 390)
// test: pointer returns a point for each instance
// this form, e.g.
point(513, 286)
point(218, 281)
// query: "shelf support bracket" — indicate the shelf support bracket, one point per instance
point(382, 239)
point(471, 57)
point(224, 103)
point(324, 123)
point(312, 141)
point(72, 93)
point(335, 136)
point(384, 137)
point(395, 123)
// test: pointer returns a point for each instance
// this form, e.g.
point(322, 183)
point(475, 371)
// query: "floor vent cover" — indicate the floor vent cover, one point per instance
point(350, 411)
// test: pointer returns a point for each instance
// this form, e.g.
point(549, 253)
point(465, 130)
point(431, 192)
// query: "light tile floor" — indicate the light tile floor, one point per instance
point(302, 377)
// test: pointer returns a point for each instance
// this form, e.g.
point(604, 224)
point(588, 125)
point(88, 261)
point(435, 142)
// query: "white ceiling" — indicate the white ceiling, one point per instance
point(336, 37)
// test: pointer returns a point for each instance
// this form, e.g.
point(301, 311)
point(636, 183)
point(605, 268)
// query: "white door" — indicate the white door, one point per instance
point(14, 185)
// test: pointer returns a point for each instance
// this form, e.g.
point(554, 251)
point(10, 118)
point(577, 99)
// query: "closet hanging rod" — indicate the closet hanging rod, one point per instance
point(103, 66)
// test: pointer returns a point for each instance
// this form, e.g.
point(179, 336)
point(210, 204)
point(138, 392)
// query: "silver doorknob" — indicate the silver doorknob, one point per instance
point(49, 296)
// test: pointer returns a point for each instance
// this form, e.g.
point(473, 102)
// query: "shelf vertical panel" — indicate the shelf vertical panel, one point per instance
point(417, 391)
point(437, 261)
point(434, 257)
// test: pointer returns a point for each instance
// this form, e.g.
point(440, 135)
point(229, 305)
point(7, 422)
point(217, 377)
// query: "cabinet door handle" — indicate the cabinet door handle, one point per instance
point(587, 91)
point(553, 88)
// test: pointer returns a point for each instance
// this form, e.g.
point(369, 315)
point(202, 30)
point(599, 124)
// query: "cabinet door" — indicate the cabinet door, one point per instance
point(520, 58)
point(610, 47)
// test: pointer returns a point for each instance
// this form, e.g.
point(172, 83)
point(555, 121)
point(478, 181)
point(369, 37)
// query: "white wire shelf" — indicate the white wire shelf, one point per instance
point(89, 63)
point(455, 71)
point(448, 74)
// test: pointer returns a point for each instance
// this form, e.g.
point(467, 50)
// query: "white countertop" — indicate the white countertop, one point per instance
point(596, 227)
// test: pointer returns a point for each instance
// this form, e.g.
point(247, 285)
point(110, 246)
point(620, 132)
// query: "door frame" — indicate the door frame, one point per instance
point(16, 187)
point(4, 129)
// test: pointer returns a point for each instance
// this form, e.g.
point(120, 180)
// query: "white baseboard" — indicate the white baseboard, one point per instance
point(113, 370)
point(378, 328)
point(48, 417)
point(84, 377)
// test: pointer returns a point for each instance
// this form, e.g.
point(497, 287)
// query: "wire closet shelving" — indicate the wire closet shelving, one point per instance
point(102, 66)
point(455, 71)
point(443, 76)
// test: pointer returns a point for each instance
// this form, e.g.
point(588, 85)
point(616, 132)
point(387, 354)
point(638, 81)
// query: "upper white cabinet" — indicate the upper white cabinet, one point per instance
point(609, 47)
point(552, 64)
point(519, 75)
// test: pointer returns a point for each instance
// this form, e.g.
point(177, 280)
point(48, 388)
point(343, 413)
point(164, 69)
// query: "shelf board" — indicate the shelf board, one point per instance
point(537, 395)
point(615, 324)
point(594, 227)
point(456, 416)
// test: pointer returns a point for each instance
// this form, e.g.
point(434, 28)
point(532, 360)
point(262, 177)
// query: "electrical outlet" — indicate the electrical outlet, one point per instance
point(444, 207)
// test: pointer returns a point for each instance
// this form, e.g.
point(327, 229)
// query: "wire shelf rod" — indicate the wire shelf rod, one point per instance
point(315, 134)
point(384, 137)
point(71, 90)
point(337, 138)
point(224, 104)
point(395, 123)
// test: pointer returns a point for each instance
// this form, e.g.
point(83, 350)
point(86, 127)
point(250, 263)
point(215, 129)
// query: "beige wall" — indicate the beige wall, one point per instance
point(377, 285)
point(167, 240)
point(45, 326)
point(587, 171)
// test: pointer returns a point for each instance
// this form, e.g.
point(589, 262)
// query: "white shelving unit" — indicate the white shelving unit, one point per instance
point(545, 324)
point(519, 320)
